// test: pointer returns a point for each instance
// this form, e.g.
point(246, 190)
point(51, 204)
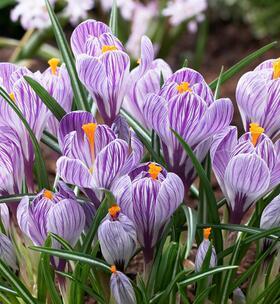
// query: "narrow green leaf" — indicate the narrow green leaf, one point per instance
point(114, 18)
point(7, 290)
point(78, 89)
point(47, 99)
point(242, 64)
point(5, 3)
point(16, 283)
point(191, 217)
point(218, 87)
point(65, 244)
point(49, 141)
point(203, 294)
point(39, 162)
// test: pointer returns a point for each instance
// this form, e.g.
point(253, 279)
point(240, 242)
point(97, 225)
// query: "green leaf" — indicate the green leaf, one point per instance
point(5, 3)
point(65, 244)
point(73, 256)
point(212, 204)
point(191, 217)
point(7, 290)
point(218, 87)
point(203, 294)
point(78, 89)
point(114, 18)
point(16, 283)
point(47, 99)
point(242, 64)
point(49, 140)
point(39, 162)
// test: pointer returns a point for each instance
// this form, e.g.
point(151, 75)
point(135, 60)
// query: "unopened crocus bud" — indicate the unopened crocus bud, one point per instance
point(7, 252)
point(121, 288)
point(117, 237)
point(270, 219)
point(202, 251)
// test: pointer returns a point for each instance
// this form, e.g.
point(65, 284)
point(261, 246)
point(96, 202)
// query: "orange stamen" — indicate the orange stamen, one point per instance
point(114, 211)
point(53, 63)
point(206, 233)
point(108, 48)
point(276, 68)
point(48, 194)
point(89, 130)
point(256, 132)
point(12, 96)
point(154, 171)
point(183, 87)
point(113, 269)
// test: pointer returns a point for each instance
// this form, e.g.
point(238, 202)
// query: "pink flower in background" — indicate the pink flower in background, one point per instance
point(126, 7)
point(78, 10)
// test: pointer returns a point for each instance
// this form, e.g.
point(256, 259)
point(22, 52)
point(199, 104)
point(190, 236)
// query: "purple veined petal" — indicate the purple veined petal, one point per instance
point(244, 145)
point(162, 67)
point(265, 149)
point(246, 178)
point(6, 70)
point(121, 289)
point(90, 211)
point(109, 164)
point(103, 136)
point(74, 122)
point(84, 31)
point(67, 219)
point(122, 191)
point(144, 198)
point(73, 171)
point(223, 144)
point(186, 75)
point(7, 252)
point(217, 117)
point(170, 196)
point(270, 217)
point(63, 191)
point(5, 216)
point(155, 113)
point(147, 54)
point(201, 254)
point(267, 64)
point(18, 74)
point(23, 215)
point(251, 94)
point(204, 91)
point(121, 128)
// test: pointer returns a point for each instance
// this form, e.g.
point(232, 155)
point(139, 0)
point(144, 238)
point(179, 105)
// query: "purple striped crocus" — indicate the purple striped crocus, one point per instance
point(51, 212)
point(246, 168)
point(121, 289)
point(117, 238)
point(102, 66)
point(145, 79)
point(258, 97)
point(7, 252)
point(93, 155)
point(148, 195)
point(185, 104)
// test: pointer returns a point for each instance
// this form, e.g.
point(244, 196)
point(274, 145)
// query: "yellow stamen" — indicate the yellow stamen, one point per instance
point(184, 87)
point(48, 194)
point(256, 132)
point(108, 48)
point(12, 96)
point(138, 61)
point(154, 170)
point(276, 68)
point(114, 211)
point(206, 233)
point(53, 63)
point(89, 130)
point(113, 269)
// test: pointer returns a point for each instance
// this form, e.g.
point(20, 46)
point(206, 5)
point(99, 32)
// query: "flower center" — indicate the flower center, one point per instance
point(183, 87)
point(256, 132)
point(154, 171)
point(276, 68)
point(12, 96)
point(53, 63)
point(113, 269)
point(206, 233)
point(108, 48)
point(48, 194)
point(114, 211)
point(89, 130)
point(138, 61)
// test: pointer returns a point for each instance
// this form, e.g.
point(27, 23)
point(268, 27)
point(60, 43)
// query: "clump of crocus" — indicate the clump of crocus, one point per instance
point(148, 195)
point(102, 65)
point(246, 168)
point(202, 251)
point(257, 96)
point(186, 104)
point(93, 155)
point(121, 289)
point(117, 238)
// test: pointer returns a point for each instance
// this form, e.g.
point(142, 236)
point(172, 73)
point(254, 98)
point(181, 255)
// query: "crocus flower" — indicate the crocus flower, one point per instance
point(5, 216)
point(102, 66)
point(77, 10)
point(7, 252)
point(57, 83)
point(270, 219)
point(121, 288)
point(148, 195)
point(93, 155)
point(186, 104)
point(117, 238)
point(51, 212)
point(202, 251)
point(145, 79)
point(246, 169)
point(257, 96)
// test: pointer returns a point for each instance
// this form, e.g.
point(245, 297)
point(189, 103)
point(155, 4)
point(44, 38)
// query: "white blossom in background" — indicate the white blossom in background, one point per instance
point(142, 16)
point(181, 10)
point(77, 10)
point(126, 7)
point(31, 13)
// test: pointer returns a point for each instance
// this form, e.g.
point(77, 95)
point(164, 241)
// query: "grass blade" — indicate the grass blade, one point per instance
point(114, 18)
point(78, 89)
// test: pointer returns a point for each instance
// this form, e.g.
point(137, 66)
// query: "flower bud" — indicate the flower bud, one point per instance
point(117, 237)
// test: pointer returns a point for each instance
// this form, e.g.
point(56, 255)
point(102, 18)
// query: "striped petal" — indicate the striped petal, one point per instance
point(7, 251)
